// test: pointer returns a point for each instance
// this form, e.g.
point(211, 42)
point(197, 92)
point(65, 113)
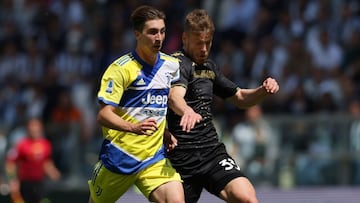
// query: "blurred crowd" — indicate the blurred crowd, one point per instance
point(53, 52)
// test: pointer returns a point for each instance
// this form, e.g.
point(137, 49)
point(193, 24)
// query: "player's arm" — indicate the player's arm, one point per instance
point(108, 118)
point(245, 98)
point(11, 169)
point(178, 104)
point(51, 170)
point(170, 141)
point(11, 161)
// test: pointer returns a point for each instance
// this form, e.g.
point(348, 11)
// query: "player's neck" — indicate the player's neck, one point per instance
point(147, 56)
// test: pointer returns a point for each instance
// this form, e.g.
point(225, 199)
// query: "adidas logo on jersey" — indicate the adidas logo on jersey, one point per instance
point(141, 82)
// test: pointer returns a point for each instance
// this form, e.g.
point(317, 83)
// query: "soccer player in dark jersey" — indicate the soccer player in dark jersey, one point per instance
point(200, 158)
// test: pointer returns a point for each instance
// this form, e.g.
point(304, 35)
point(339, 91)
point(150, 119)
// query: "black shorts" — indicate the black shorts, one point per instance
point(32, 191)
point(211, 168)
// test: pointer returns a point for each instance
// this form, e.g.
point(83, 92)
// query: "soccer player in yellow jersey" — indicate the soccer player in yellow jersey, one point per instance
point(133, 104)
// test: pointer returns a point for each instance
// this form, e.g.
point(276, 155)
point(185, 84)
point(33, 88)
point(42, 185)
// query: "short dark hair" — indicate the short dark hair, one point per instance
point(199, 20)
point(144, 13)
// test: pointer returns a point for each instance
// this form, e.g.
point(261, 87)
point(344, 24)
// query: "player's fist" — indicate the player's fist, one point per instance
point(270, 85)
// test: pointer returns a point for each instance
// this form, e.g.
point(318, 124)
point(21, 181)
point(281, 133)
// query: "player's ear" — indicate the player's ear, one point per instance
point(137, 34)
point(184, 37)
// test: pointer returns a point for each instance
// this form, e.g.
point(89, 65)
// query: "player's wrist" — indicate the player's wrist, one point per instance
point(188, 110)
point(131, 127)
point(263, 90)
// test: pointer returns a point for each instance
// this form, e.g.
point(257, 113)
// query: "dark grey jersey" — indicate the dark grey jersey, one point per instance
point(202, 82)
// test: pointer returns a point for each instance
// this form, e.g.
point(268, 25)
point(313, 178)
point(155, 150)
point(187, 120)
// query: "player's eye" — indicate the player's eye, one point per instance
point(156, 31)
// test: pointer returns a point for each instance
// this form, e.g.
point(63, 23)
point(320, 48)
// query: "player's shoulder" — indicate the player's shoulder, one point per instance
point(45, 141)
point(168, 57)
point(124, 63)
point(124, 60)
point(179, 55)
point(210, 63)
point(183, 59)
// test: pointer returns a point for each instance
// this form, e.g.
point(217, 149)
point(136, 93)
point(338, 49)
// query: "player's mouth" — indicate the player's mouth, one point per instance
point(157, 46)
point(202, 56)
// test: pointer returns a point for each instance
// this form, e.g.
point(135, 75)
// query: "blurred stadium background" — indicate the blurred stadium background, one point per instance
point(301, 145)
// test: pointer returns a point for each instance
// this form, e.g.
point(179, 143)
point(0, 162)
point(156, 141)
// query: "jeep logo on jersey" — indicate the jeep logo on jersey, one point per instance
point(155, 99)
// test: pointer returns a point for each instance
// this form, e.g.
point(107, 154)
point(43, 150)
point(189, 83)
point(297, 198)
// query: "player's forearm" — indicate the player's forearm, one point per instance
point(11, 170)
point(109, 119)
point(51, 170)
point(245, 98)
point(179, 105)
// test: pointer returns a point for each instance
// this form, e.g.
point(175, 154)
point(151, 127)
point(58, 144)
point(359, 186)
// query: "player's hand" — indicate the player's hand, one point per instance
point(14, 186)
point(146, 127)
point(55, 175)
point(270, 85)
point(170, 141)
point(189, 119)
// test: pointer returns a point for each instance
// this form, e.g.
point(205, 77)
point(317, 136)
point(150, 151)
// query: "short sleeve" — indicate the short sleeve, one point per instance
point(185, 74)
point(223, 87)
point(112, 85)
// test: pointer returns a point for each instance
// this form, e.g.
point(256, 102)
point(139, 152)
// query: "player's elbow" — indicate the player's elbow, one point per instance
point(171, 102)
point(100, 119)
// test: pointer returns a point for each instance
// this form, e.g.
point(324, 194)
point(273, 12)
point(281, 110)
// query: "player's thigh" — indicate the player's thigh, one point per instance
point(156, 175)
point(239, 189)
point(168, 192)
point(220, 171)
point(106, 186)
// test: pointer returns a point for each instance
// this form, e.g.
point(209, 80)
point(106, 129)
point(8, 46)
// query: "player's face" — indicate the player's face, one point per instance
point(197, 45)
point(152, 36)
point(35, 129)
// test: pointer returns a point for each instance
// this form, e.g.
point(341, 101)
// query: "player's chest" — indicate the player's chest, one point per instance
point(34, 151)
point(201, 83)
point(159, 79)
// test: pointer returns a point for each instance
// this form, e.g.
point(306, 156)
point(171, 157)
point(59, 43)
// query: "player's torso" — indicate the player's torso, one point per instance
point(34, 151)
point(199, 96)
point(33, 154)
point(144, 95)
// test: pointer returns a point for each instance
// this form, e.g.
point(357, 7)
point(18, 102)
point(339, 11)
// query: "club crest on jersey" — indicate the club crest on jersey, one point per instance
point(110, 86)
point(168, 77)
